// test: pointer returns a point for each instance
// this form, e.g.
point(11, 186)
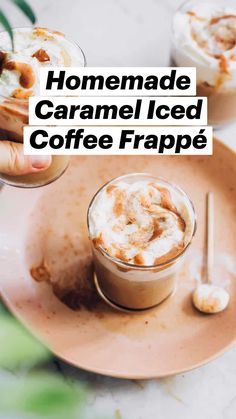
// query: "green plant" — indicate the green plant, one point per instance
point(25, 8)
point(28, 386)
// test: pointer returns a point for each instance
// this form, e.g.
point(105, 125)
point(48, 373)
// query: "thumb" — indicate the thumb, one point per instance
point(14, 162)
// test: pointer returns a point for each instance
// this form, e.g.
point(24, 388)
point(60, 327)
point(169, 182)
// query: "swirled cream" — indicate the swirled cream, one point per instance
point(33, 48)
point(204, 36)
point(143, 223)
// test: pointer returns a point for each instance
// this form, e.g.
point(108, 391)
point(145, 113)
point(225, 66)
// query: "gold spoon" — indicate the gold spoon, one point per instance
point(207, 297)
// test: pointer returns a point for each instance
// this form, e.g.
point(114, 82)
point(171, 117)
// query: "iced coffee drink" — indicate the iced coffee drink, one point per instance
point(204, 36)
point(34, 48)
point(140, 227)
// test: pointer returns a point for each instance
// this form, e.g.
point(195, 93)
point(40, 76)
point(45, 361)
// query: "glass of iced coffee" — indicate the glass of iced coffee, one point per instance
point(204, 36)
point(34, 48)
point(140, 227)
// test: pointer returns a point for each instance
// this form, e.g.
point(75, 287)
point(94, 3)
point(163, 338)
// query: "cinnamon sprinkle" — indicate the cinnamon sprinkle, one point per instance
point(118, 205)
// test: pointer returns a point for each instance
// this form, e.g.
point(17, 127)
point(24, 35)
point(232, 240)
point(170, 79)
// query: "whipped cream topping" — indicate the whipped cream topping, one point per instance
point(204, 36)
point(142, 223)
point(33, 48)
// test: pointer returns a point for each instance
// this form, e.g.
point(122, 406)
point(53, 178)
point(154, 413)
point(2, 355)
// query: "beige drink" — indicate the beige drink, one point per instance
point(204, 36)
point(140, 227)
point(19, 79)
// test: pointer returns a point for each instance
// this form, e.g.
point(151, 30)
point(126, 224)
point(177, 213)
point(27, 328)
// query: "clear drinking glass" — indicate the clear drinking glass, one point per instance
point(13, 117)
point(216, 72)
point(134, 286)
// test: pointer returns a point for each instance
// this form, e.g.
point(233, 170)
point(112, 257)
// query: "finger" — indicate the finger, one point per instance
point(13, 162)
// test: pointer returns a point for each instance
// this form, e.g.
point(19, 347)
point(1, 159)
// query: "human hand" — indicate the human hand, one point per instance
point(13, 161)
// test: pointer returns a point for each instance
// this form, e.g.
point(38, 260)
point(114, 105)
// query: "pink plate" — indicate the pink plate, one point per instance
point(43, 233)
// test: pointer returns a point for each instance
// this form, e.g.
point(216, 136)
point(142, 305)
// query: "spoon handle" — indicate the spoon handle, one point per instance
point(210, 237)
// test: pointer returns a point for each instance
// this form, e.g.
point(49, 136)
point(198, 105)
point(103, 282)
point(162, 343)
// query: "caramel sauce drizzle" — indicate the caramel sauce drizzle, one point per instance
point(195, 16)
point(224, 69)
point(41, 273)
point(223, 64)
point(157, 231)
point(215, 20)
point(27, 77)
point(46, 33)
point(41, 55)
point(98, 241)
point(169, 255)
point(3, 56)
point(120, 255)
point(138, 259)
point(165, 199)
point(42, 32)
point(110, 188)
point(22, 94)
point(147, 233)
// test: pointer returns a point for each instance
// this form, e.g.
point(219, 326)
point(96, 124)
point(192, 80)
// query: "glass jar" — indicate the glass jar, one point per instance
point(204, 36)
point(134, 286)
point(13, 117)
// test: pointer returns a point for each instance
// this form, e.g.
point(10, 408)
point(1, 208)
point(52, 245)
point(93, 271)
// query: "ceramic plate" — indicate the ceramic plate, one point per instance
point(45, 270)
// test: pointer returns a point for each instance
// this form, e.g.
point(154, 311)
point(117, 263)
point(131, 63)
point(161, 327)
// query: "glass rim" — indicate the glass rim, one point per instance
point(15, 28)
point(185, 2)
point(132, 265)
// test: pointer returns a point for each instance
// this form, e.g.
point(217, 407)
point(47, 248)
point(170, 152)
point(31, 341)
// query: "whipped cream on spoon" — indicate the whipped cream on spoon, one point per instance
point(207, 297)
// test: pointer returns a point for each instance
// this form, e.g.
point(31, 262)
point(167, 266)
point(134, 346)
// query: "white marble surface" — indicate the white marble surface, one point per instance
point(137, 33)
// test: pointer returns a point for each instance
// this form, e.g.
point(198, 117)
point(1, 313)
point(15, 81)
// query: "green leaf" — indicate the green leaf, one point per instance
point(17, 347)
point(6, 25)
point(45, 395)
point(26, 9)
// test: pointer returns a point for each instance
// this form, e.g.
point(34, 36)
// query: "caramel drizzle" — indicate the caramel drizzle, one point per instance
point(175, 251)
point(151, 232)
point(165, 199)
point(157, 231)
point(3, 56)
point(98, 241)
point(223, 64)
point(27, 77)
point(215, 20)
point(224, 68)
point(138, 259)
point(41, 31)
point(195, 16)
point(110, 188)
point(41, 55)
point(22, 94)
